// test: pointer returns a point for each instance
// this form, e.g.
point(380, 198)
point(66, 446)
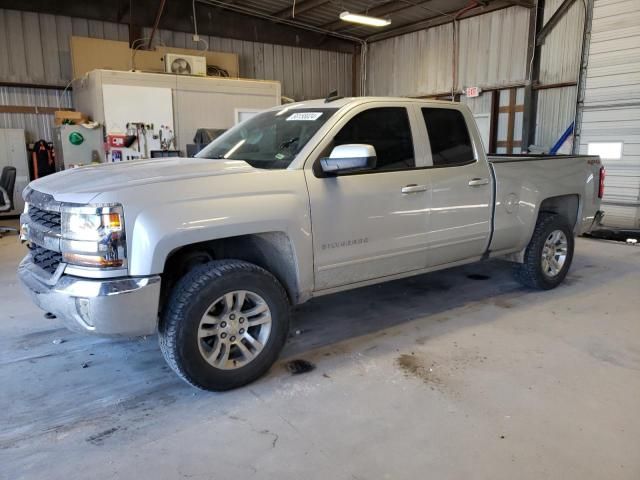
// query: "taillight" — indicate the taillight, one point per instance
point(601, 184)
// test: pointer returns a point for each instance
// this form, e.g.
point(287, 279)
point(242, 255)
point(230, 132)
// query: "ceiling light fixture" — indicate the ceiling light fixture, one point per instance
point(365, 19)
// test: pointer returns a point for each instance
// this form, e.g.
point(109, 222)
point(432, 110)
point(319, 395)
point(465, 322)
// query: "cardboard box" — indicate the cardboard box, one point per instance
point(76, 117)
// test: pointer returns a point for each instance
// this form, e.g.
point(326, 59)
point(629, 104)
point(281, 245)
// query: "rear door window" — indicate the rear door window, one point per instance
point(448, 136)
point(388, 130)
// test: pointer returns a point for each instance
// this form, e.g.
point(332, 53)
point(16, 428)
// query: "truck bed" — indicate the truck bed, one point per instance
point(526, 183)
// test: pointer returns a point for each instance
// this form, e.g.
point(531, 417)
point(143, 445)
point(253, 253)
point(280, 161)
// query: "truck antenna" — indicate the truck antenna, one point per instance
point(332, 97)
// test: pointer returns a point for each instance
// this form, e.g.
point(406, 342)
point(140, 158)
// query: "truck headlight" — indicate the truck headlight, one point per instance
point(93, 236)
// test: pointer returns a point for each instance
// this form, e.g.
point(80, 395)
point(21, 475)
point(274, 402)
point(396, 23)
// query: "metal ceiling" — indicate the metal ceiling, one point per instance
point(303, 23)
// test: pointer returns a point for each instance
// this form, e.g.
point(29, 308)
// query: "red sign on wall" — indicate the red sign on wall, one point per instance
point(472, 92)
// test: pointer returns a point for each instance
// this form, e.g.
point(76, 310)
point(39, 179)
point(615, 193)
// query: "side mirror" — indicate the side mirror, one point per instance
point(350, 158)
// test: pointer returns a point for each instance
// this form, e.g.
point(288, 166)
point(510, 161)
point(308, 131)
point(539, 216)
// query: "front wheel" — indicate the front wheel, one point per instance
point(549, 254)
point(224, 325)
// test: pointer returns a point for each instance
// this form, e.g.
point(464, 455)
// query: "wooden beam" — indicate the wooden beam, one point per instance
point(509, 109)
point(299, 8)
point(553, 21)
point(514, 143)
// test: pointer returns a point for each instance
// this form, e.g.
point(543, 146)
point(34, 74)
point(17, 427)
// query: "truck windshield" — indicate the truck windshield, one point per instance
point(270, 139)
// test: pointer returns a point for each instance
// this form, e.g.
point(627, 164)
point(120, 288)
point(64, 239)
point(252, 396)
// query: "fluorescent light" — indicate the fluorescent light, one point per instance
point(365, 19)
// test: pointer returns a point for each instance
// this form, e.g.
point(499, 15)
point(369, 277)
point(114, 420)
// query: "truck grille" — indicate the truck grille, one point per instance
point(45, 218)
point(48, 260)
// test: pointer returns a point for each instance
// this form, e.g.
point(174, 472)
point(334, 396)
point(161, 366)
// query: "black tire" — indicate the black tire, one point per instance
point(188, 302)
point(530, 273)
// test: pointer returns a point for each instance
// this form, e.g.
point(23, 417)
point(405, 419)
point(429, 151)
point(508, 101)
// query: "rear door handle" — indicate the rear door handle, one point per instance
point(413, 188)
point(476, 182)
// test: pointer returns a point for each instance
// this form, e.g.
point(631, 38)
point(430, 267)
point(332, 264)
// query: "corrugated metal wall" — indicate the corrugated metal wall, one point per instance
point(415, 64)
point(559, 63)
point(560, 54)
point(34, 49)
point(491, 49)
point(478, 105)
point(612, 105)
point(36, 126)
point(556, 111)
point(492, 53)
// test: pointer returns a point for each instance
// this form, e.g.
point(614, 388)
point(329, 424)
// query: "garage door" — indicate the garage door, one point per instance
point(611, 114)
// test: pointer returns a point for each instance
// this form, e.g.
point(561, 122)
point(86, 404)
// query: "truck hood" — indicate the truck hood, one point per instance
point(81, 185)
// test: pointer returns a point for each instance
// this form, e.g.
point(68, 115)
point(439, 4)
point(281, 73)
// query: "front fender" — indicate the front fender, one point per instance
point(159, 230)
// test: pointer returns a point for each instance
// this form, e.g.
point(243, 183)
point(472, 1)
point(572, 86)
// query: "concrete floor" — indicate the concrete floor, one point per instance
point(439, 376)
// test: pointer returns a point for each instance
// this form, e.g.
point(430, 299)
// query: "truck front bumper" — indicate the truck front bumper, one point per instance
point(125, 306)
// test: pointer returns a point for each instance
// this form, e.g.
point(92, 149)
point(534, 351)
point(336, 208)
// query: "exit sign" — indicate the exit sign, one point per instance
point(472, 92)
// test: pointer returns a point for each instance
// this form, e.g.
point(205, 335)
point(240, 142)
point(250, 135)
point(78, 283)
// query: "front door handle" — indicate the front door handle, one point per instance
point(413, 188)
point(476, 182)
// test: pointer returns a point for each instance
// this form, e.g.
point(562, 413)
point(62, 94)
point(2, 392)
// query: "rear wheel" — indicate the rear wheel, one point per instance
point(225, 324)
point(548, 255)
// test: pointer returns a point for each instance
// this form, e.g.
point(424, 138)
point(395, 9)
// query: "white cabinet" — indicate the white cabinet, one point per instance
point(116, 98)
point(13, 152)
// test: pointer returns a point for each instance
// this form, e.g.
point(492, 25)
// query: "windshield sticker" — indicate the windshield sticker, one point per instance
point(304, 116)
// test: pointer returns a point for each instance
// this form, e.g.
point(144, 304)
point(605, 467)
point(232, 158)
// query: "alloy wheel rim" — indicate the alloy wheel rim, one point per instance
point(554, 253)
point(234, 329)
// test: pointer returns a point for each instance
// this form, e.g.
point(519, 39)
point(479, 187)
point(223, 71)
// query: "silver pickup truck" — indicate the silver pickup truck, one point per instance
point(299, 201)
